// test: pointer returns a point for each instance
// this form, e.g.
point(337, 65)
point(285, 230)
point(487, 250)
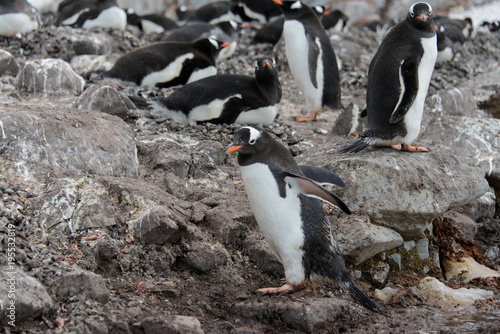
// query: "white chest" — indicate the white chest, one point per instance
point(414, 115)
point(297, 54)
point(278, 218)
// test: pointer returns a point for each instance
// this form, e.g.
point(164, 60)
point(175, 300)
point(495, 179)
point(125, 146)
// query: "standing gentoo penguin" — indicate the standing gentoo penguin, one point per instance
point(226, 98)
point(17, 17)
point(167, 64)
point(311, 57)
point(285, 199)
point(398, 79)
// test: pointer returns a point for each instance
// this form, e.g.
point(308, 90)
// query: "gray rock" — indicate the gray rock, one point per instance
point(49, 76)
point(394, 260)
point(86, 141)
point(409, 245)
point(359, 240)
point(86, 65)
point(108, 100)
point(158, 225)
point(453, 102)
point(93, 44)
point(205, 256)
point(474, 140)
point(480, 208)
point(172, 324)
point(80, 284)
point(8, 65)
point(304, 316)
point(261, 254)
point(228, 223)
point(68, 206)
point(379, 274)
point(29, 297)
point(423, 248)
point(427, 184)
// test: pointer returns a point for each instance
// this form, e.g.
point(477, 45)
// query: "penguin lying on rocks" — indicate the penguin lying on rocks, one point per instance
point(285, 199)
point(224, 98)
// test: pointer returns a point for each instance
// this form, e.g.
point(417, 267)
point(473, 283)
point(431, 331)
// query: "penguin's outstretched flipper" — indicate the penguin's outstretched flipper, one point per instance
point(312, 189)
point(321, 175)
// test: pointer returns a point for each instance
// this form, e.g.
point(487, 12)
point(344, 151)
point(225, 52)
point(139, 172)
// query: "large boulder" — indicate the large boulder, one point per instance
point(49, 76)
point(86, 141)
point(402, 191)
point(22, 297)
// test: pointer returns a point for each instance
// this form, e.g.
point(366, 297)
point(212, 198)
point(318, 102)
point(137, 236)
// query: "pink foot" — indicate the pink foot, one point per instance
point(271, 291)
point(409, 148)
point(310, 117)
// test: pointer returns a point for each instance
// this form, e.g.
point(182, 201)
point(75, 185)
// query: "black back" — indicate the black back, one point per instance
point(260, 91)
point(383, 90)
point(314, 29)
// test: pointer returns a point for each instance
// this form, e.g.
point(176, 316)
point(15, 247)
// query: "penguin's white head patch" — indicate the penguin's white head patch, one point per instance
point(254, 134)
point(412, 12)
point(319, 9)
point(214, 42)
point(296, 5)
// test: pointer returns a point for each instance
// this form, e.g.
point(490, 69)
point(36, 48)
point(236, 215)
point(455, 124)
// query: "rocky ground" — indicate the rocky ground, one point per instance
point(114, 220)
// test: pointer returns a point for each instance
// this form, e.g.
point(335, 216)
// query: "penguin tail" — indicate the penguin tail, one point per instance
point(361, 298)
point(355, 147)
point(140, 102)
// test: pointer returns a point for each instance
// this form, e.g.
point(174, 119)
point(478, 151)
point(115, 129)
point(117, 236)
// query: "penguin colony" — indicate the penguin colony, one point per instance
point(285, 197)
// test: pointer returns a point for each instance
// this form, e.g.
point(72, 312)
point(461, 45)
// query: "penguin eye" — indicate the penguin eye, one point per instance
point(252, 141)
point(412, 14)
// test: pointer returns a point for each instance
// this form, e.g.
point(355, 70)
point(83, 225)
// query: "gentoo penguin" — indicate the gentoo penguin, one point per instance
point(311, 57)
point(150, 23)
point(212, 12)
point(183, 14)
point(335, 21)
point(285, 199)
point(17, 17)
point(492, 26)
point(457, 30)
point(262, 11)
point(225, 31)
point(226, 98)
point(167, 64)
point(89, 14)
point(398, 79)
point(444, 45)
point(268, 35)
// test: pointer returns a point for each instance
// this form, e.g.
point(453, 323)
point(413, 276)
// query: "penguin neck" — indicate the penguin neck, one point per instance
point(269, 85)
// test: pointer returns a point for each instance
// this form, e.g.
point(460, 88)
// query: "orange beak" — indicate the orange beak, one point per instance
point(326, 13)
point(233, 148)
point(225, 44)
point(422, 17)
point(278, 2)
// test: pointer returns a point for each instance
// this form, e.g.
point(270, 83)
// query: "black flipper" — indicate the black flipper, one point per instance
point(355, 147)
point(321, 175)
point(313, 60)
point(313, 189)
point(409, 72)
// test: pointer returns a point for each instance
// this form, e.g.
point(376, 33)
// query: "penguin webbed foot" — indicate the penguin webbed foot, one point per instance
point(410, 148)
point(288, 288)
point(311, 117)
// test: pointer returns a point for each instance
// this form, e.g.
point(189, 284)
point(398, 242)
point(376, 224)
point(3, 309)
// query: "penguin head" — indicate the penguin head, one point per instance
point(266, 67)
point(290, 6)
point(420, 16)
point(250, 143)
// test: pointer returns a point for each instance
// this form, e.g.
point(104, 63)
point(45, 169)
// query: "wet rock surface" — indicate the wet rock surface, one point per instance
point(126, 222)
